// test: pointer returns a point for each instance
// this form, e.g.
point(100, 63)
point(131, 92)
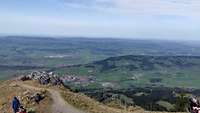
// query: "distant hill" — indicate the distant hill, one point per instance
point(125, 71)
point(146, 63)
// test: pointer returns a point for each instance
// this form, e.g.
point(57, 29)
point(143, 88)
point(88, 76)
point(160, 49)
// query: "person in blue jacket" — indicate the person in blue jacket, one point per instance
point(15, 105)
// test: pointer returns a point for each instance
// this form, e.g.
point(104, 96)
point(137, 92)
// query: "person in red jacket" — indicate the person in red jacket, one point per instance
point(22, 110)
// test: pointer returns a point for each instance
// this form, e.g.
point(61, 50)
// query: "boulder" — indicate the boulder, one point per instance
point(24, 78)
point(55, 80)
point(36, 97)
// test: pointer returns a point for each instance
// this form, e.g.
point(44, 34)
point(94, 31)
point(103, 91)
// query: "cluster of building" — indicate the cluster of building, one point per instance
point(78, 80)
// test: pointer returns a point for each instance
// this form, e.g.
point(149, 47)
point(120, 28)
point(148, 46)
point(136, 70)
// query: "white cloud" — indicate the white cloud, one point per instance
point(175, 7)
point(187, 8)
point(114, 18)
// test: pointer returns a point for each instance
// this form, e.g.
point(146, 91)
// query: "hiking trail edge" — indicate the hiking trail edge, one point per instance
point(59, 104)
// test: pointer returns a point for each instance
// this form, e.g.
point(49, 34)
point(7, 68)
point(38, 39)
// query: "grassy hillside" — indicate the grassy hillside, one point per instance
point(152, 82)
point(125, 71)
point(9, 89)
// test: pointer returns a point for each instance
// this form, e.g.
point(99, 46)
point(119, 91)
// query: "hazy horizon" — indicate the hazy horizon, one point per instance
point(193, 41)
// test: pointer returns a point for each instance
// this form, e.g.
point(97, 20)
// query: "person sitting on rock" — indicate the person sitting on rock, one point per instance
point(15, 104)
point(38, 98)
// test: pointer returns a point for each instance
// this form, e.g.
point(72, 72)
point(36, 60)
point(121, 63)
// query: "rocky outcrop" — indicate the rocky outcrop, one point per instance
point(50, 78)
point(43, 78)
point(37, 97)
point(32, 97)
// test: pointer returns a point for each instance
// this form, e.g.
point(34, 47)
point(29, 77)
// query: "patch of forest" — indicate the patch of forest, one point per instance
point(147, 98)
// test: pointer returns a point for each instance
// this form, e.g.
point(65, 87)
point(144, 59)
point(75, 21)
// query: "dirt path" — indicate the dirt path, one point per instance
point(59, 104)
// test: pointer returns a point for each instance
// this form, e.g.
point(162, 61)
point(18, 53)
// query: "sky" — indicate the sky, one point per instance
point(148, 19)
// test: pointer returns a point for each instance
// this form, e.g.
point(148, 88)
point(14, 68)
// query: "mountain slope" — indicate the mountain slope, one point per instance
point(59, 105)
point(9, 89)
point(125, 71)
point(57, 98)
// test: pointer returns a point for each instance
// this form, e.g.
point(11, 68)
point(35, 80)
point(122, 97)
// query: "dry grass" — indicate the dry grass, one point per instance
point(83, 102)
point(89, 105)
point(9, 89)
point(78, 100)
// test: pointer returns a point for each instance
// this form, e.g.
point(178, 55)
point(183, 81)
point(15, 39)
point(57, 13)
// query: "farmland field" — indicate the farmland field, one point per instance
point(21, 54)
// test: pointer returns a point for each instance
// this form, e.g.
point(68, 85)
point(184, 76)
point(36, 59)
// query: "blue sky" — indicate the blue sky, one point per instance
point(160, 19)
